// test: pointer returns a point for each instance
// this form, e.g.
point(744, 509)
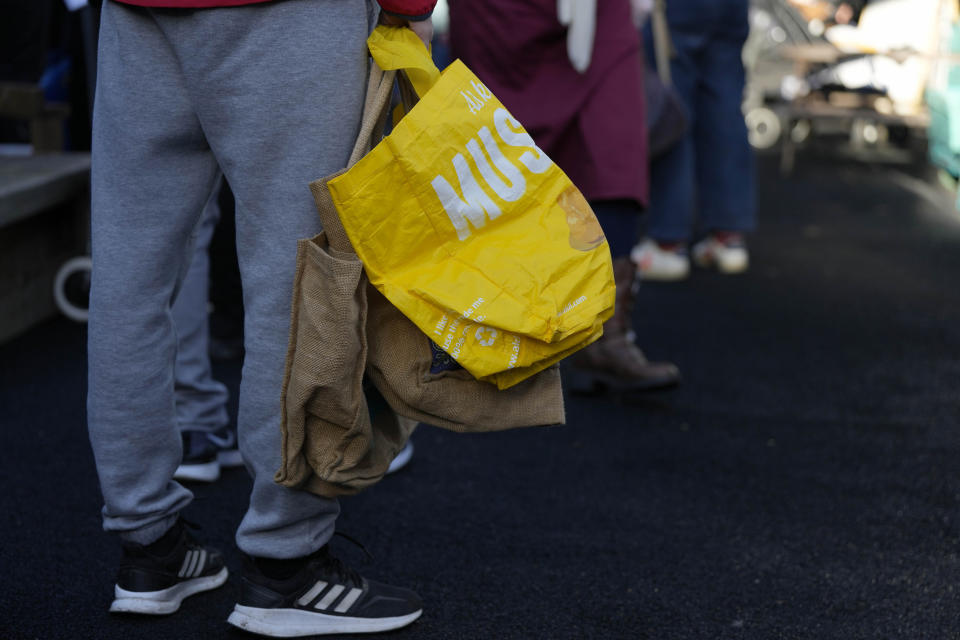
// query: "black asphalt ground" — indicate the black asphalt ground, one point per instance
point(803, 483)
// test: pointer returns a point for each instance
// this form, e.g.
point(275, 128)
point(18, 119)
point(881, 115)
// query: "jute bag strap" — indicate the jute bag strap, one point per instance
point(375, 110)
point(408, 96)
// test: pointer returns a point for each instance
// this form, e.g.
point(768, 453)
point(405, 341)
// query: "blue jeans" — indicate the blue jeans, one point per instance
point(710, 171)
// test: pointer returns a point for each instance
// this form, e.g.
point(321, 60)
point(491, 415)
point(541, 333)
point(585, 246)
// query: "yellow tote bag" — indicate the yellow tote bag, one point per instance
point(469, 229)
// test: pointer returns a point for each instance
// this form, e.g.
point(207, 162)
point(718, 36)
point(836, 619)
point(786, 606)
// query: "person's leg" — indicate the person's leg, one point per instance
point(672, 194)
point(226, 317)
point(152, 173)
point(725, 165)
point(201, 400)
point(292, 88)
point(618, 219)
point(725, 173)
point(662, 254)
point(614, 362)
point(283, 109)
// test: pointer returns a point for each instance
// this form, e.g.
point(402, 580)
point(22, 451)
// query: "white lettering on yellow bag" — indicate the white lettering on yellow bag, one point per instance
point(514, 352)
point(518, 184)
point(506, 126)
point(572, 305)
point(475, 205)
point(478, 98)
point(473, 208)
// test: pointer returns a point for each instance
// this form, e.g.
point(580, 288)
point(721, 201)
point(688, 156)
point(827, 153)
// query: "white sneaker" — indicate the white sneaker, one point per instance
point(656, 263)
point(728, 255)
point(402, 459)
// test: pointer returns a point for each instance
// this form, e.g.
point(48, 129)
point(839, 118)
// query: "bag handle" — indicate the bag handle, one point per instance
point(662, 44)
point(408, 95)
point(375, 109)
point(396, 50)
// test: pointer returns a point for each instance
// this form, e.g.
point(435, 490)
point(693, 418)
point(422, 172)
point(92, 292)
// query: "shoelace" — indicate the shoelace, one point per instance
point(187, 528)
point(336, 566)
point(356, 543)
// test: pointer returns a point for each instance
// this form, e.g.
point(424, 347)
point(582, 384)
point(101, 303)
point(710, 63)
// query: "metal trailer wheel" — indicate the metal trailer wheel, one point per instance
point(81, 265)
point(763, 127)
point(800, 131)
point(867, 133)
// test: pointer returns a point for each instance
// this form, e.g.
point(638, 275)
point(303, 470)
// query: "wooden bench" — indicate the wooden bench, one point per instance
point(44, 212)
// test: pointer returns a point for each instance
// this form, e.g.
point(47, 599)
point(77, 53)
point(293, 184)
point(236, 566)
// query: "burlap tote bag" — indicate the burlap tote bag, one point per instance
point(343, 332)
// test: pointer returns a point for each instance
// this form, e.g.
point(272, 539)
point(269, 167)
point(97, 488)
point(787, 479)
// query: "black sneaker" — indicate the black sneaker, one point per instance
point(206, 452)
point(154, 579)
point(225, 439)
point(322, 597)
point(199, 462)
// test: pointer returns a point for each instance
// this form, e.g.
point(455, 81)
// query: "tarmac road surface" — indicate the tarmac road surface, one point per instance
point(804, 482)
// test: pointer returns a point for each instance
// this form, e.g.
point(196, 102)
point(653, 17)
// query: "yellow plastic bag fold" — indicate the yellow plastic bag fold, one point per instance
point(397, 48)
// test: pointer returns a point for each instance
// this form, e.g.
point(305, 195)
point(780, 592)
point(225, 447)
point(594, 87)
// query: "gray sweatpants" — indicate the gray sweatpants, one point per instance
point(201, 399)
point(271, 95)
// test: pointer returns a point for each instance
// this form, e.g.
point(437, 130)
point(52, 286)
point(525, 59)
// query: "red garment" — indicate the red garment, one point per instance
point(592, 124)
point(409, 8)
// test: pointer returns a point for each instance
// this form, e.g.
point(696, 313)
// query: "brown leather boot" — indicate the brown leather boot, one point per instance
point(614, 362)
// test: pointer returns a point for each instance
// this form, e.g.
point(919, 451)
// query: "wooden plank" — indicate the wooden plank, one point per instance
point(31, 184)
point(22, 101)
point(31, 252)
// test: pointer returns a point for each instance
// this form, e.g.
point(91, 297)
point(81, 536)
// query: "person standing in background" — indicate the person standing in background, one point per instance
point(572, 72)
point(710, 172)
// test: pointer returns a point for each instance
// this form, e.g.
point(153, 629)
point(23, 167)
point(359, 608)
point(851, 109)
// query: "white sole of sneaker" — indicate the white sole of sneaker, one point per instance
point(206, 472)
point(402, 459)
point(649, 268)
point(664, 276)
point(731, 265)
point(165, 601)
point(292, 623)
point(229, 458)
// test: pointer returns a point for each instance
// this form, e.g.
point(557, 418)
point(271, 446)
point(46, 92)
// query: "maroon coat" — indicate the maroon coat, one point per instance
point(415, 9)
point(591, 124)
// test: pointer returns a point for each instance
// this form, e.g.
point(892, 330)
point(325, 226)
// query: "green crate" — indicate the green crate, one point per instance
point(944, 106)
point(947, 160)
point(953, 76)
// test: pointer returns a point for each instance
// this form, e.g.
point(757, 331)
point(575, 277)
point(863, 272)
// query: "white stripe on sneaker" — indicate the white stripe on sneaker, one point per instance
point(200, 563)
point(193, 564)
point(186, 563)
point(313, 593)
point(330, 597)
point(348, 600)
point(196, 563)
